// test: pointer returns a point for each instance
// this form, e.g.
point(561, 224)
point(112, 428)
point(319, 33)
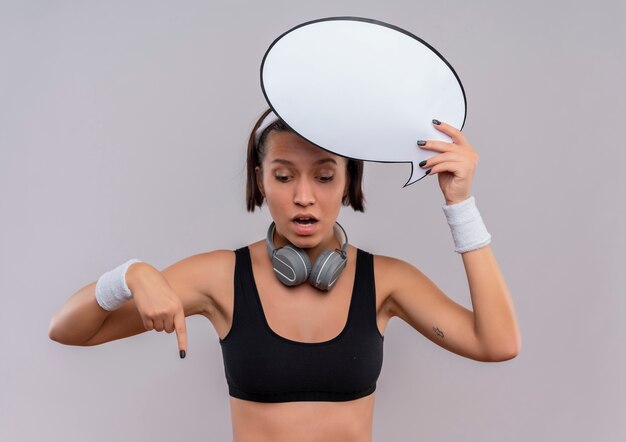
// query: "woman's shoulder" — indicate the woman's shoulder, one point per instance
point(384, 261)
point(214, 257)
point(391, 269)
point(212, 265)
point(385, 267)
point(393, 275)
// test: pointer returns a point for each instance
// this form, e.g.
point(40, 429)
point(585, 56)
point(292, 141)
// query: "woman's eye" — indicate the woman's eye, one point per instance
point(285, 178)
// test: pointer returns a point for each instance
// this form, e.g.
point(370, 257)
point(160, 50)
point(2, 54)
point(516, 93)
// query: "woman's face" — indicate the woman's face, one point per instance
point(296, 178)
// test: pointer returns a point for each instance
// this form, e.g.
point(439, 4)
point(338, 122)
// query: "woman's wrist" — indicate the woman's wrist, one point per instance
point(112, 289)
point(452, 202)
point(135, 273)
point(466, 224)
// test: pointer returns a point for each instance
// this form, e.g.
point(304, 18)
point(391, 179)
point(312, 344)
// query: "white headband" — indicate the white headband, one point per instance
point(269, 119)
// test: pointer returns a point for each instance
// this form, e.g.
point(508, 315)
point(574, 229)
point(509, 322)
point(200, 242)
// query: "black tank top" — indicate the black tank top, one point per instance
point(263, 366)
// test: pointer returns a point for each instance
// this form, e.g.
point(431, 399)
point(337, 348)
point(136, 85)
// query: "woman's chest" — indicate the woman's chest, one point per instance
point(302, 313)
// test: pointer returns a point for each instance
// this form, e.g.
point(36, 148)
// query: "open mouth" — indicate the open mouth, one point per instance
point(305, 221)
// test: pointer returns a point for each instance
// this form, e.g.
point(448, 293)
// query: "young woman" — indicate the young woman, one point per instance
point(303, 342)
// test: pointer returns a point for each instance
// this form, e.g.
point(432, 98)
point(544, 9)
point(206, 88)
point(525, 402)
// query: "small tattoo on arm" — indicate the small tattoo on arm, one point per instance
point(438, 332)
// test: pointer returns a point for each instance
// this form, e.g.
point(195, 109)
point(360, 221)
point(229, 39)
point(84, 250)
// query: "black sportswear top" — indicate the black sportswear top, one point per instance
point(263, 366)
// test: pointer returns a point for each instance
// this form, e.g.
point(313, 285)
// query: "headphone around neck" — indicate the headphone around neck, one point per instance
point(292, 265)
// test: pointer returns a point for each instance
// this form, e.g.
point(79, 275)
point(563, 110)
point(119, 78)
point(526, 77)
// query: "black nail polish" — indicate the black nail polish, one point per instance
point(428, 171)
point(437, 122)
point(182, 354)
point(421, 143)
point(423, 163)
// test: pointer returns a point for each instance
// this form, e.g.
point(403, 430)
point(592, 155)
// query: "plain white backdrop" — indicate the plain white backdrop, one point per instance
point(123, 129)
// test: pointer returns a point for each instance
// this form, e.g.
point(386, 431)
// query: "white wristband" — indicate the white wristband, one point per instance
point(111, 288)
point(467, 226)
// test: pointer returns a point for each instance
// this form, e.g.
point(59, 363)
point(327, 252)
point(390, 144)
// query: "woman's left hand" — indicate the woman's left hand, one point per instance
point(454, 166)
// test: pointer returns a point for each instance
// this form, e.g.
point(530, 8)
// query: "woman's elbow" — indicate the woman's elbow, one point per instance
point(508, 353)
point(61, 334)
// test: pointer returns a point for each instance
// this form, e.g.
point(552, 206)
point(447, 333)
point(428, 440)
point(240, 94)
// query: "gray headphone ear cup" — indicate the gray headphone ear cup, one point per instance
point(326, 270)
point(291, 265)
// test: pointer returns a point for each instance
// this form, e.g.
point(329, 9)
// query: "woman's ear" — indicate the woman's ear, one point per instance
point(259, 180)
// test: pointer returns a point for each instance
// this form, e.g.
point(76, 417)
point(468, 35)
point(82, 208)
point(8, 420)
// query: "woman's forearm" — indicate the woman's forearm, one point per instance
point(81, 317)
point(495, 322)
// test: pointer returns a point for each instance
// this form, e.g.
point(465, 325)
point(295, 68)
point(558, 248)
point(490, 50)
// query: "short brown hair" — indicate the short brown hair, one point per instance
point(254, 198)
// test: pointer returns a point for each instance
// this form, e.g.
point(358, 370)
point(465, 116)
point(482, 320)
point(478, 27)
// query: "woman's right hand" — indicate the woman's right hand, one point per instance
point(158, 305)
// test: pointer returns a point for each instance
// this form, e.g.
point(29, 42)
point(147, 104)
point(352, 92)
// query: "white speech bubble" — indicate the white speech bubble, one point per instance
point(362, 89)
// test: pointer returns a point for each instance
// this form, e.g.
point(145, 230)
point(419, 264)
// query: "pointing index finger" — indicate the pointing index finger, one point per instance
point(181, 332)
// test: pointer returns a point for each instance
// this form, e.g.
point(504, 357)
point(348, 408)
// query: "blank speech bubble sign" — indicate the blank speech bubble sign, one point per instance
point(362, 89)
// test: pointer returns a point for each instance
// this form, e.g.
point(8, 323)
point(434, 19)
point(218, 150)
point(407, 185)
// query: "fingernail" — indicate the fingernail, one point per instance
point(182, 354)
point(421, 143)
point(428, 171)
point(423, 163)
point(437, 122)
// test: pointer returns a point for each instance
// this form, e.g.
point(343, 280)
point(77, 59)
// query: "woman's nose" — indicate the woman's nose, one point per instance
point(304, 193)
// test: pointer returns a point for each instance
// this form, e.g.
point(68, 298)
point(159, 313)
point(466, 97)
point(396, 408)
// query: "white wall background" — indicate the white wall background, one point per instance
point(122, 134)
